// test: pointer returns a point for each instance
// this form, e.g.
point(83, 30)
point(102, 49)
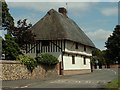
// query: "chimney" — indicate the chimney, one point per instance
point(63, 11)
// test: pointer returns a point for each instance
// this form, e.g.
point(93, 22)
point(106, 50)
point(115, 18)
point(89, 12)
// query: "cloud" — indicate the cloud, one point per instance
point(44, 6)
point(62, 0)
point(29, 19)
point(110, 11)
point(99, 35)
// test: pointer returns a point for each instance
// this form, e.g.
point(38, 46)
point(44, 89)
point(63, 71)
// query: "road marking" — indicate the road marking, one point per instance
point(24, 87)
point(112, 71)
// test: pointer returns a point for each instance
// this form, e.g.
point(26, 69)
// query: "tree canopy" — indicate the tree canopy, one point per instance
point(10, 48)
point(7, 19)
point(23, 34)
point(113, 45)
point(0, 47)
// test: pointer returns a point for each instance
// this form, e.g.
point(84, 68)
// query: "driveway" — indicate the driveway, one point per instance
point(97, 79)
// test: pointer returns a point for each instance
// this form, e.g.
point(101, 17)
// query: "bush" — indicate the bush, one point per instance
point(28, 61)
point(47, 59)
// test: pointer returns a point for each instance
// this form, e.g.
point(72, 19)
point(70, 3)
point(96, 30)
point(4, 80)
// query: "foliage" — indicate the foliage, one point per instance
point(0, 47)
point(98, 55)
point(10, 48)
point(113, 45)
point(22, 33)
point(1, 43)
point(7, 19)
point(28, 61)
point(47, 59)
point(114, 84)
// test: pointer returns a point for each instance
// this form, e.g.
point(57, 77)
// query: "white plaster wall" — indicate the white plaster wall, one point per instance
point(79, 64)
point(33, 55)
point(70, 48)
point(87, 65)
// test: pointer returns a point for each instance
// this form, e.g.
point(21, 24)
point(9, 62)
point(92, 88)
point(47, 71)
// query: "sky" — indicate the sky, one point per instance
point(96, 19)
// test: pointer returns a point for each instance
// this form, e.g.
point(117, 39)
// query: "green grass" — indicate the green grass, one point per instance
point(114, 84)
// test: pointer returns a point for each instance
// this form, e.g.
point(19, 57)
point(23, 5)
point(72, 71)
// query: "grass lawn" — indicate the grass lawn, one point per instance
point(114, 84)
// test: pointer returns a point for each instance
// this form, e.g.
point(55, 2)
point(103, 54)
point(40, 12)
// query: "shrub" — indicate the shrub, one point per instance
point(47, 59)
point(28, 61)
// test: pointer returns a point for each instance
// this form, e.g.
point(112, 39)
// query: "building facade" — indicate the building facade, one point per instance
point(60, 36)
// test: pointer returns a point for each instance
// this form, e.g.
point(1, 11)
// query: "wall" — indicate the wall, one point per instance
point(73, 72)
point(13, 70)
point(115, 66)
point(79, 64)
point(79, 67)
point(70, 48)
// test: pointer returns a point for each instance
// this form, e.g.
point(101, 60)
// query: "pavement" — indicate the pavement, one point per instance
point(97, 79)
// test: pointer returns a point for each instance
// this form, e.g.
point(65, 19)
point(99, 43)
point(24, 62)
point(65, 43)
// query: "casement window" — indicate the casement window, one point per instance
point(76, 45)
point(84, 60)
point(45, 43)
point(84, 48)
point(73, 59)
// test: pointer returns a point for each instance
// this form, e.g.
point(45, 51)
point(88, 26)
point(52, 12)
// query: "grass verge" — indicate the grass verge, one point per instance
point(114, 84)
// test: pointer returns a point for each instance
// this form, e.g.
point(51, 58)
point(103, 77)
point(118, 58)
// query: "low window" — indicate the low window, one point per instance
point(84, 48)
point(84, 60)
point(76, 46)
point(45, 43)
point(73, 59)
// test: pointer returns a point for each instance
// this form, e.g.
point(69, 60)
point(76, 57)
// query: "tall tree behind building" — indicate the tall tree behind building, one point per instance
point(113, 45)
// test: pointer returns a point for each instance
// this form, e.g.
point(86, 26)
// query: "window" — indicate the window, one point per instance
point(73, 59)
point(45, 43)
point(76, 46)
point(84, 60)
point(84, 48)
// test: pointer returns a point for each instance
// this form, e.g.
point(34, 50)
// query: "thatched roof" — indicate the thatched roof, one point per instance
point(56, 26)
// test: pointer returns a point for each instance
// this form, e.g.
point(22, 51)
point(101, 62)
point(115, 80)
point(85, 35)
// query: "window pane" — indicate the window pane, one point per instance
point(45, 43)
point(84, 61)
point(73, 59)
point(76, 46)
point(84, 48)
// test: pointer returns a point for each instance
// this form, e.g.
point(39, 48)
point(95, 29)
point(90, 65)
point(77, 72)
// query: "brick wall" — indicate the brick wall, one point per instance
point(115, 66)
point(13, 70)
point(73, 72)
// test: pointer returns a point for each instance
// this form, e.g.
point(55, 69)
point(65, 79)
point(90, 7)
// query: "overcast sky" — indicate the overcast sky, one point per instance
point(96, 19)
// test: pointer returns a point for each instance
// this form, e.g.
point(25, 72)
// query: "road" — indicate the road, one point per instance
point(97, 79)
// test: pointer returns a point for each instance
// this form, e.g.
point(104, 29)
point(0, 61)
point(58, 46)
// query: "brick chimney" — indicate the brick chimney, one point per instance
point(63, 11)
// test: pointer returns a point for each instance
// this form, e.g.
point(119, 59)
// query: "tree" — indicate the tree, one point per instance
point(113, 45)
point(23, 34)
point(98, 58)
point(7, 19)
point(10, 48)
point(0, 47)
